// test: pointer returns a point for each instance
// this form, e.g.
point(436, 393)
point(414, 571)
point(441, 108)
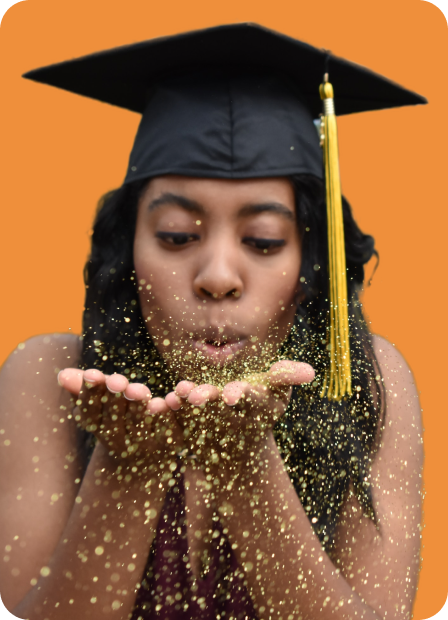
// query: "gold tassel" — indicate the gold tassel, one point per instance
point(337, 381)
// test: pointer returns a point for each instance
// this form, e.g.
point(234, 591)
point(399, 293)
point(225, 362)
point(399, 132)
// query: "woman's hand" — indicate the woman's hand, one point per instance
point(227, 430)
point(131, 426)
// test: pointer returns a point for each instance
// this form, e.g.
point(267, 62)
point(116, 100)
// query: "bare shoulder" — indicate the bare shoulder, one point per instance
point(39, 458)
point(403, 411)
point(44, 352)
point(391, 361)
point(30, 394)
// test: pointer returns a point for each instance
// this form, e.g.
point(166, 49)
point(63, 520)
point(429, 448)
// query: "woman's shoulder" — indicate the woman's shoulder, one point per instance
point(30, 394)
point(396, 374)
point(57, 343)
point(43, 356)
point(402, 425)
point(31, 398)
point(388, 355)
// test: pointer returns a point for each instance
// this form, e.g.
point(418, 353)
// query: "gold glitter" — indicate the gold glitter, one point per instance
point(45, 571)
point(99, 550)
point(151, 513)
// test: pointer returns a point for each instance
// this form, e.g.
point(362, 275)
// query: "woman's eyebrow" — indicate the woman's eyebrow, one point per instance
point(167, 198)
point(273, 207)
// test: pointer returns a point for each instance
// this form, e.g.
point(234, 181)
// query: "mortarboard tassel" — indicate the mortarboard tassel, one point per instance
point(337, 381)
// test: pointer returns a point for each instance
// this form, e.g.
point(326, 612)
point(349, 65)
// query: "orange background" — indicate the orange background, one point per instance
point(60, 152)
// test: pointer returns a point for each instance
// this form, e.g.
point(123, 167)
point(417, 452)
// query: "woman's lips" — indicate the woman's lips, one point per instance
point(220, 353)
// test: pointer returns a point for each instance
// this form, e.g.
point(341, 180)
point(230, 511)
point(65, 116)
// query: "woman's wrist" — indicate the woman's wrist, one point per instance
point(247, 471)
point(141, 478)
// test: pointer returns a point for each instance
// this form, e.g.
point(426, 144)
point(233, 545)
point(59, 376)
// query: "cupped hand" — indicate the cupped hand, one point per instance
point(229, 428)
point(125, 419)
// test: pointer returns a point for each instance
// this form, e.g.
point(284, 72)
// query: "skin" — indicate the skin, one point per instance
point(203, 273)
point(228, 427)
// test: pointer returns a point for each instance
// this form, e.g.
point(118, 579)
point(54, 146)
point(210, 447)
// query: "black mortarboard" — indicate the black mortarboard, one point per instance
point(232, 101)
point(238, 101)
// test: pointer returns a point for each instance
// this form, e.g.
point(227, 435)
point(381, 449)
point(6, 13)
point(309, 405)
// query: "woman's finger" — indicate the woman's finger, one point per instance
point(203, 394)
point(173, 401)
point(287, 372)
point(89, 399)
point(234, 392)
point(116, 383)
point(114, 403)
point(71, 379)
point(137, 391)
point(183, 388)
point(94, 378)
point(157, 406)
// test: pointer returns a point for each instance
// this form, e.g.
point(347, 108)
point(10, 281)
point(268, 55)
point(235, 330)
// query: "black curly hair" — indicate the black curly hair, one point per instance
point(326, 445)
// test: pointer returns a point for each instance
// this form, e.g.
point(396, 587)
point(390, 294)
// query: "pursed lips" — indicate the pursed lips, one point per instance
point(219, 348)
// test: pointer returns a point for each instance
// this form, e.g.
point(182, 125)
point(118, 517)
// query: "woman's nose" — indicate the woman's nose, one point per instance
point(218, 277)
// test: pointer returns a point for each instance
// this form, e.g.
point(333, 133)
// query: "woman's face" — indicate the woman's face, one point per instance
point(217, 263)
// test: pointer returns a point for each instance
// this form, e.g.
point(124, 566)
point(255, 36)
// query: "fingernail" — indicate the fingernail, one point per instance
point(127, 397)
point(59, 374)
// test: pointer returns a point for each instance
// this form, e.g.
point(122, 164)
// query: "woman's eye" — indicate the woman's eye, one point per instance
point(176, 238)
point(263, 244)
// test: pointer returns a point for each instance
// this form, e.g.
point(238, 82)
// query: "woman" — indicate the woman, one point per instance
point(209, 275)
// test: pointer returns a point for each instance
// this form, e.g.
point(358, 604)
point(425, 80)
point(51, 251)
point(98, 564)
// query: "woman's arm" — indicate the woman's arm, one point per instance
point(40, 463)
point(98, 563)
point(287, 572)
point(74, 550)
point(375, 573)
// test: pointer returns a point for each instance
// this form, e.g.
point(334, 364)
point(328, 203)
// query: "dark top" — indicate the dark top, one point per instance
point(169, 589)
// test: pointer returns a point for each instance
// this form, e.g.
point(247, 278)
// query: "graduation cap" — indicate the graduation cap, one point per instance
point(239, 101)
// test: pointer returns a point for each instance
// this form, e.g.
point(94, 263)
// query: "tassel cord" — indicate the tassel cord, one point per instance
point(337, 382)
